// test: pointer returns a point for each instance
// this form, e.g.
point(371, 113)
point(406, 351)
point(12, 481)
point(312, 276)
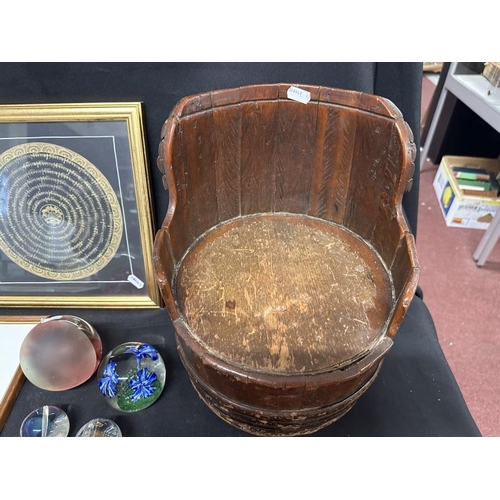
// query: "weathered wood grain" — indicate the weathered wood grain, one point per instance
point(404, 265)
point(370, 152)
point(198, 153)
point(181, 227)
point(258, 150)
point(388, 229)
point(226, 141)
point(295, 139)
point(407, 268)
point(284, 259)
point(164, 265)
point(284, 293)
point(333, 163)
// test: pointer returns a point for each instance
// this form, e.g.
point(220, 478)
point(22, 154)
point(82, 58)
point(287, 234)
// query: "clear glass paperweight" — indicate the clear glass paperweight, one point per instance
point(100, 427)
point(132, 376)
point(46, 421)
point(60, 353)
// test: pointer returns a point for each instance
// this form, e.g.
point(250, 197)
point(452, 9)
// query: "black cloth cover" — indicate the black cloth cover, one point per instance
point(415, 393)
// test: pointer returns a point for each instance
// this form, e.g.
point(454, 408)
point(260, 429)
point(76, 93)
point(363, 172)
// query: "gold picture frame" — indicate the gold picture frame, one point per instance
point(76, 225)
point(13, 329)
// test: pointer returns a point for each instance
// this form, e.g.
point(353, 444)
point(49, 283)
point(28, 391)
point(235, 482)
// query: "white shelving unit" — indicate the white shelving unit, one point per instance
point(472, 90)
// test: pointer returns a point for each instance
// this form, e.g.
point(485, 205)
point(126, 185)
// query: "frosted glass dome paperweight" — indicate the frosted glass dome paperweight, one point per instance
point(132, 376)
point(60, 353)
point(46, 421)
point(100, 427)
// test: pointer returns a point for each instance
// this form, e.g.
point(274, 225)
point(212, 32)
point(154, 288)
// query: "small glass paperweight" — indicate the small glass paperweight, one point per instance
point(100, 427)
point(132, 376)
point(46, 421)
point(60, 353)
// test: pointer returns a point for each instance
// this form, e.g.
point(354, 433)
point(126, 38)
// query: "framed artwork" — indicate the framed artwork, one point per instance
point(13, 330)
point(76, 225)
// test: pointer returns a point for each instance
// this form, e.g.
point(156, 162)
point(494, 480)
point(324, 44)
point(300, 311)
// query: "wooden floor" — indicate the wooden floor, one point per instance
point(462, 298)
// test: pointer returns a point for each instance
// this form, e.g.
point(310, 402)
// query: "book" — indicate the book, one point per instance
point(471, 172)
point(474, 184)
point(473, 178)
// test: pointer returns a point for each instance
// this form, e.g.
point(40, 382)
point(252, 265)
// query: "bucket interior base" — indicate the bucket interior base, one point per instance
point(284, 293)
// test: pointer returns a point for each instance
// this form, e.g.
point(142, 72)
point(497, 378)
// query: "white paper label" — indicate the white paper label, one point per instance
point(297, 94)
point(135, 281)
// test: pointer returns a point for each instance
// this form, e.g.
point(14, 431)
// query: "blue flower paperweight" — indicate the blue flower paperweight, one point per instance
point(100, 427)
point(132, 376)
point(46, 421)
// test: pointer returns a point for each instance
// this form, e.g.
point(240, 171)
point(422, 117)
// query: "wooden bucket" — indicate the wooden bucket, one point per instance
point(284, 260)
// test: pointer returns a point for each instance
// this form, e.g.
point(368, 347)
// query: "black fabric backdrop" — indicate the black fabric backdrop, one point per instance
point(160, 85)
point(415, 393)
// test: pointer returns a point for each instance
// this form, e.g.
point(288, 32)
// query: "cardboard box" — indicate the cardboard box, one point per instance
point(459, 209)
point(491, 72)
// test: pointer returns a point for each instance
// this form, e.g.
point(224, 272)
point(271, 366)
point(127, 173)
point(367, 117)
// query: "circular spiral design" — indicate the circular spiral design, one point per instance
point(59, 216)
